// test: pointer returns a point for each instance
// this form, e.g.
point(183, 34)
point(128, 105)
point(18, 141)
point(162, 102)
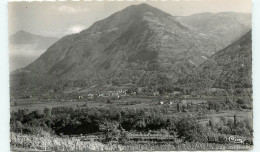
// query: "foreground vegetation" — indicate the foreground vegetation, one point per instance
point(73, 144)
point(115, 126)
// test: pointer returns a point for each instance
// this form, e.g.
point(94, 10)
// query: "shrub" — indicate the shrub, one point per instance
point(47, 112)
point(223, 120)
point(190, 130)
point(241, 101)
point(108, 101)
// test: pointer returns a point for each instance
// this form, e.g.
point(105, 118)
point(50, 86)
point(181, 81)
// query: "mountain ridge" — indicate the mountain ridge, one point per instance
point(229, 68)
point(140, 45)
point(25, 47)
point(22, 37)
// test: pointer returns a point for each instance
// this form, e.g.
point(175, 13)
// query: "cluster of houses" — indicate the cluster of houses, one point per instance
point(166, 102)
point(116, 93)
point(170, 102)
point(173, 94)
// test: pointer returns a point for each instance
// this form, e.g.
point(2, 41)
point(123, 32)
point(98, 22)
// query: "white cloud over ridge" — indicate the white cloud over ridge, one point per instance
point(75, 29)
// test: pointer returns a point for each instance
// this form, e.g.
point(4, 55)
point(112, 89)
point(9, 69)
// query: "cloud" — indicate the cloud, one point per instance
point(70, 10)
point(75, 29)
point(64, 31)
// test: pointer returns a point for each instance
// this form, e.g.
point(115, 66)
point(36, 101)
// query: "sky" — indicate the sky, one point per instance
point(57, 19)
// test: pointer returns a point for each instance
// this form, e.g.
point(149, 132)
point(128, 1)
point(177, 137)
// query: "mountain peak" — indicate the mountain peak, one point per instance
point(143, 5)
point(143, 8)
point(124, 18)
point(23, 32)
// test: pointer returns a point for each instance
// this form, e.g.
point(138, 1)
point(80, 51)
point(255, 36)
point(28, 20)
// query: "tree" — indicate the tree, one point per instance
point(47, 112)
point(235, 119)
point(178, 107)
point(19, 126)
point(110, 130)
point(161, 90)
point(190, 130)
point(223, 120)
point(249, 124)
point(241, 101)
point(108, 101)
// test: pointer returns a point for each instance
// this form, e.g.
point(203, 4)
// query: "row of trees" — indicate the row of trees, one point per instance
point(114, 123)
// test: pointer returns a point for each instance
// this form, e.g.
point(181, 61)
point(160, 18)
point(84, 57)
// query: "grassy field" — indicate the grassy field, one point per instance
point(35, 104)
point(127, 102)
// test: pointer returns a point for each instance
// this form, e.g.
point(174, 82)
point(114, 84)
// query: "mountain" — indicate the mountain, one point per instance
point(229, 68)
point(227, 26)
point(25, 38)
point(140, 45)
point(26, 47)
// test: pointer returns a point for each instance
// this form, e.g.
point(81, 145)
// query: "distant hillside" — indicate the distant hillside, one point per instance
point(26, 47)
point(25, 38)
point(228, 69)
point(140, 45)
point(226, 26)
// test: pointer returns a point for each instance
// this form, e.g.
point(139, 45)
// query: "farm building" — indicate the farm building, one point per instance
point(161, 102)
point(176, 93)
point(156, 93)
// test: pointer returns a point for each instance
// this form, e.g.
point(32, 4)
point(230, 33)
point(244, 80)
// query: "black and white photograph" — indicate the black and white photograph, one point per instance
point(170, 75)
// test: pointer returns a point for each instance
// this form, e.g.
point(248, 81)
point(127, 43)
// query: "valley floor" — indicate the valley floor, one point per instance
point(39, 124)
